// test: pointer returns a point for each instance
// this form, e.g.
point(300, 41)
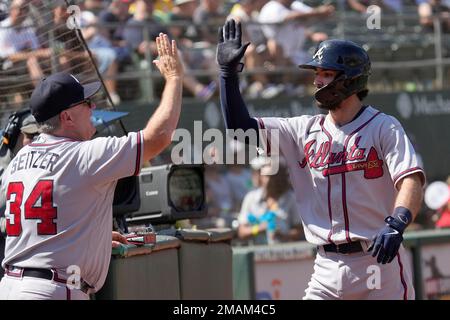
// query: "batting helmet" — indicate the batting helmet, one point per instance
point(352, 63)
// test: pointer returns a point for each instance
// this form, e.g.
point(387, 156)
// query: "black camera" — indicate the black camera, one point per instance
point(12, 130)
point(162, 195)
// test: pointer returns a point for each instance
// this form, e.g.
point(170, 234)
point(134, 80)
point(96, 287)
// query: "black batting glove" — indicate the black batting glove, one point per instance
point(386, 244)
point(388, 240)
point(230, 49)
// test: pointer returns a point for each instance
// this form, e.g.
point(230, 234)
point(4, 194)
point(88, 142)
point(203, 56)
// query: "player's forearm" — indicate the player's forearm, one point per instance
point(234, 110)
point(158, 132)
point(410, 194)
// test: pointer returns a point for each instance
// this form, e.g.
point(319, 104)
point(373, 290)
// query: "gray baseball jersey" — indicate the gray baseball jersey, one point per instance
point(344, 177)
point(59, 202)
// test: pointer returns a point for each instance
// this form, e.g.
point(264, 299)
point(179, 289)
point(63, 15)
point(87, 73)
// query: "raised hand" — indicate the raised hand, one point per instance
point(168, 62)
point(230, 49)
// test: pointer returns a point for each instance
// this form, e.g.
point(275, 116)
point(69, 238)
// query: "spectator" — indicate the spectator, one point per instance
point(387, 6)
point(362, 5)
point(238, 175)
point(292, 34)
point(256, 164)
point(393, 6)
point(164, 5)
point(257, 54)
point(286, 26)
point(19, 49)
point(208, 17)
point(63, 41)
point(3, 11)
point(219, 198)
point(429, 9)
point(94, 6)
point(240, 180)
point(162, 10)
point(104, 53)
point(269, 214)
point(443, 213)
point(134, 35)
point(184, 29)
point(444, 216)
point(196, 52)
point(115, 18)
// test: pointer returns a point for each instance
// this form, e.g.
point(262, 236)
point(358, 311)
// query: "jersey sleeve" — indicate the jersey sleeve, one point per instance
point(279, 134)
point(398, 151)
point(112, 158)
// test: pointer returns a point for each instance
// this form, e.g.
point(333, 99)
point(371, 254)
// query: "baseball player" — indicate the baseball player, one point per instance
point(356, 176)
point(60, 188)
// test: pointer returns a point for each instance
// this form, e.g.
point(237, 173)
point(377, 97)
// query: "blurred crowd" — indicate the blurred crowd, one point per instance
point(436, 213)
point(257, 204)
point(34, 35)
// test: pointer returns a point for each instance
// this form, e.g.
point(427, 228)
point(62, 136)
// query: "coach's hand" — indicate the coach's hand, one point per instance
point(168, 62)
point(230, 49)
point(118, 239)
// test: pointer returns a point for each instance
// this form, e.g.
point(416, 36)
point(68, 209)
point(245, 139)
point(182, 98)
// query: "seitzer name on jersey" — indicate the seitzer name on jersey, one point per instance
point(34, 159)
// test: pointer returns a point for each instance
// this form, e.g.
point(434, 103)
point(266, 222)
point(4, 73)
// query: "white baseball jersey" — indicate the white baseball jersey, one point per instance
point(59, 202)
point(344, 177)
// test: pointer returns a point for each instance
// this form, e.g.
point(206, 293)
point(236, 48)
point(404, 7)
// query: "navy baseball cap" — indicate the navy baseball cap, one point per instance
point(59, 92)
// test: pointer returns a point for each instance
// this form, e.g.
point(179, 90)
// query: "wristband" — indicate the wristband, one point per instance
point(227, 70)
point(400, 219)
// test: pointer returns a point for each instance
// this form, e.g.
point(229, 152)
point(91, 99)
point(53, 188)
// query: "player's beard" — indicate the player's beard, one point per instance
point(330, 107)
